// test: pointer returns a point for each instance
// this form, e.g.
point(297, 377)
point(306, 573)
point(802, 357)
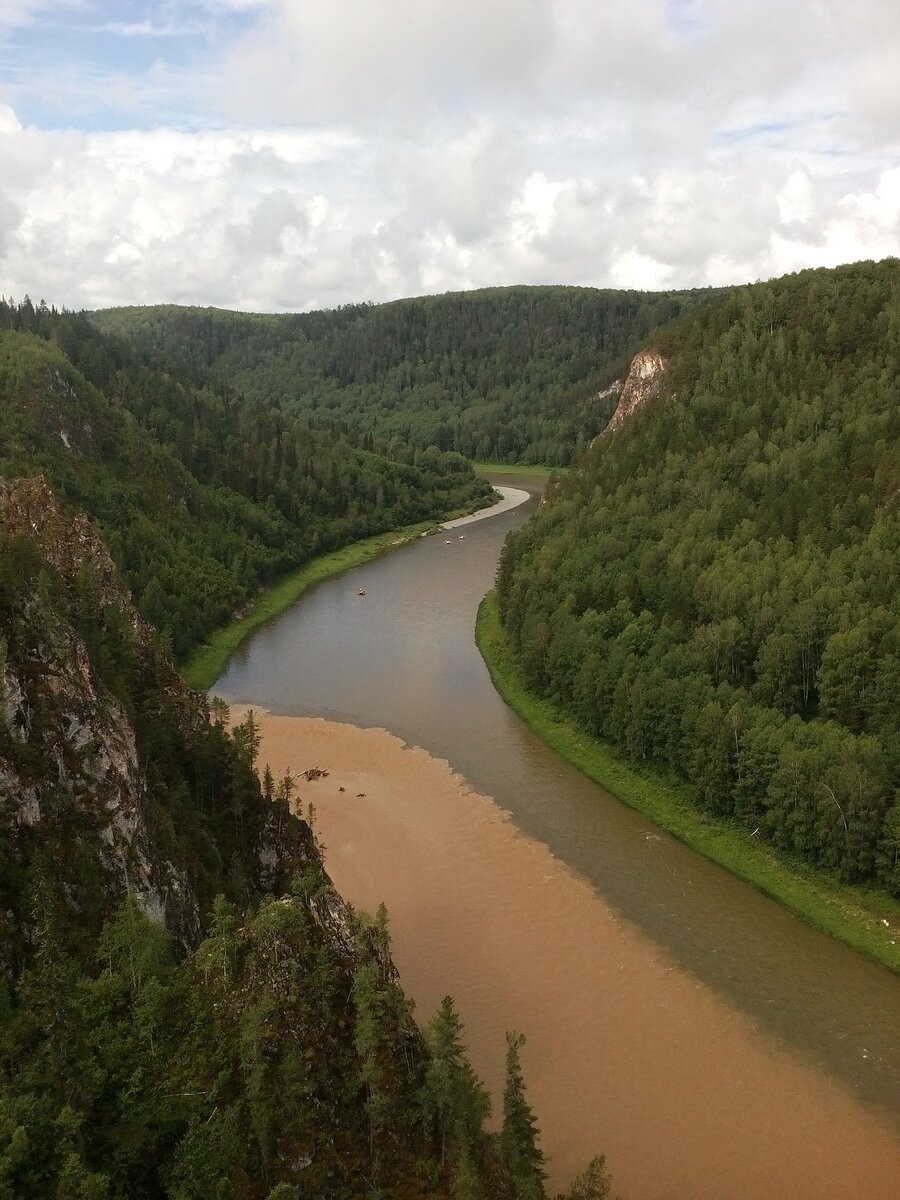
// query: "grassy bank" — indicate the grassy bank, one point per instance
point(205, 664)
point(539, 470)
point(854, 915)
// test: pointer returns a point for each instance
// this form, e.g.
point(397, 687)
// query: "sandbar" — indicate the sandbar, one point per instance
point(510, 498)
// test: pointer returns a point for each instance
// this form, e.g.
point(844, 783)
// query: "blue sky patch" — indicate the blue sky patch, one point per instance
point(114, 65)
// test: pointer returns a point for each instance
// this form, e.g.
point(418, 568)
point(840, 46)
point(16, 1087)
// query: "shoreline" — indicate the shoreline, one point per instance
point(206, 662)
point(474, 905)
point(869, 923)
point(510, 498)
point(537, 470)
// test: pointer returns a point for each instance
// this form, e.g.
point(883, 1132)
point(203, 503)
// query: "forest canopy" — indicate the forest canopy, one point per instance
point(201, 494)
point(716, 591)
point(502, 374)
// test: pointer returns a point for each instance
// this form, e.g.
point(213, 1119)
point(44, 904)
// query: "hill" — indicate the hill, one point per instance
point(505, 374)
point(187, 1007)
point(201, 495)
point(716, 590)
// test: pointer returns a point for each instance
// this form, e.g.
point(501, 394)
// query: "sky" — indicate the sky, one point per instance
point(276, 155)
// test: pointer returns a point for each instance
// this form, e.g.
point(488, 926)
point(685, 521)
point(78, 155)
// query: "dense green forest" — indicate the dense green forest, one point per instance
point(716, 591)
point(504, 374)
point(187, 1008)
point(201, 494)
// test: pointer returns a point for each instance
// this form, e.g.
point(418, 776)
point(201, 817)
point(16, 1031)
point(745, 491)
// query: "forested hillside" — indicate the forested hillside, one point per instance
point(506, 374)
point(201, 494)
point(717, 589)
point(187, 1008)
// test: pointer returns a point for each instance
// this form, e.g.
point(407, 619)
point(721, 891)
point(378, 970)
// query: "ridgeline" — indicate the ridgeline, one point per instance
point(715, 590)
point(513, 375)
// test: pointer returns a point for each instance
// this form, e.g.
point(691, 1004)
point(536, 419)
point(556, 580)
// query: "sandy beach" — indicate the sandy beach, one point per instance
point(625, 1054)
point(510, 497)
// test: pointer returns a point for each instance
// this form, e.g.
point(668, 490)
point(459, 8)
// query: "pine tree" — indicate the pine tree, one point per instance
point(454, 1100)
point(523, 1158)
point(592, 1184)
point(466, 1183)
point(370, 1036)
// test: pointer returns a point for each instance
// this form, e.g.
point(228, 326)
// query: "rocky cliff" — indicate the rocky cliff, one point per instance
point(187, 1006)
point(89, 707)
point(641, 384)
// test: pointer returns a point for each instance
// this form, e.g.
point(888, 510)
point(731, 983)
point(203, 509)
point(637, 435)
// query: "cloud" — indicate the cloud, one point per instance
point(10, 220)
point(398, 60)
point(330, 151)
point(18, 12)
point(284, 219)
point(144, 29)
point(464, 184)
point(411, 61)
point(264, 233)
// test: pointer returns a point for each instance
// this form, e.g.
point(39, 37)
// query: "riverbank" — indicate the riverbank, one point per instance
point(203, 667)
point(510, 498)
point(869, 922)
point(205, 664)
point(626, 1054)
point(535, 470)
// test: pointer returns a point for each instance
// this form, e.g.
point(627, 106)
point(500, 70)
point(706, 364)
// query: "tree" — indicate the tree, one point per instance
point(523, 1158)
point(592, 1184)
point(466, 1182)
point(889, 850)
point(247, 738)
point(370, 1035)
point(454, 1100)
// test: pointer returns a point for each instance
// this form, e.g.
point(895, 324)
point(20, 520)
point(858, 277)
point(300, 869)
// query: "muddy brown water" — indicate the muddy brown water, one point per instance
point(710, 1043)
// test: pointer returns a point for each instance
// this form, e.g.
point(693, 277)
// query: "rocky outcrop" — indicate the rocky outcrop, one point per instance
point(641, 384)
point(70, 775)
point(79, 799)
point(614, 389)
point(28, 508)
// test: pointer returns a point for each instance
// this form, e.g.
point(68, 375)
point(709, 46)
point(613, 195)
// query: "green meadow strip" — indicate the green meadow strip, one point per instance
point(203, 666)
point(207, 662)
point(854, 915)
point(540, 470)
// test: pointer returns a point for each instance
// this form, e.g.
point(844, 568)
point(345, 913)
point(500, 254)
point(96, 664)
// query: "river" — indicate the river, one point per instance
point(705, 973)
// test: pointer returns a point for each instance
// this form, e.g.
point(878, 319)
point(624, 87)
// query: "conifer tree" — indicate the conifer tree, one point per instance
point(593, 1184)
point(519, 1148)
point(466, 1182)
point(370, 1036)
point(454, 1100)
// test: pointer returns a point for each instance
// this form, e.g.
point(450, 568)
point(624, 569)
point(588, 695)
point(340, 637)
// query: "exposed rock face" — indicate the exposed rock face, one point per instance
point(641, 383)
point(74, 792)
point(66, 744)
point(29, 508)
point(614, 389)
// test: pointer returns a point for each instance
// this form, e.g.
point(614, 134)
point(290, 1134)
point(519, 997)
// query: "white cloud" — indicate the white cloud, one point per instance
point(285, 219)
point(18, 12)
point(860, 225)
point(143, 29)
point(395, 60)
point(352, 151)
point(795, 200)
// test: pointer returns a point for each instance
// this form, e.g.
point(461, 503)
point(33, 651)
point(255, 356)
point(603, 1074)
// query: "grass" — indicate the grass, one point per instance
point(541, 470)
point(207, 662)
point(852, 914)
